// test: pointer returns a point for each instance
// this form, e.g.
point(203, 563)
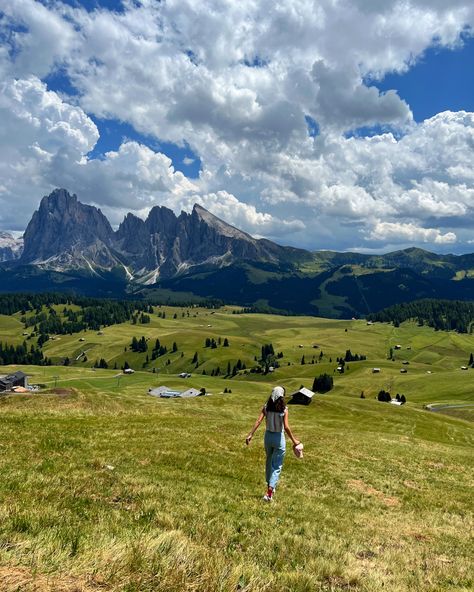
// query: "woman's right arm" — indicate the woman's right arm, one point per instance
point(286, 425)
point(255, 427)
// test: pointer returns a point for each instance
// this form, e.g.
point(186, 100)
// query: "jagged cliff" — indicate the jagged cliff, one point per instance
point(65, 234)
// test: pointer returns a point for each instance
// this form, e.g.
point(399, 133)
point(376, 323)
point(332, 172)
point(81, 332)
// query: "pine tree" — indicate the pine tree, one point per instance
point(323, 383)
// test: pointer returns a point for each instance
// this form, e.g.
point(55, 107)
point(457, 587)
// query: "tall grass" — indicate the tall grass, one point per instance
point(106, 488)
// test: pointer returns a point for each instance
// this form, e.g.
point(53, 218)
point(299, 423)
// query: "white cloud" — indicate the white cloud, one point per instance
point(48, 40)
point(395, 232)
point(43, 144)
point(244, 216)
point(180, 71)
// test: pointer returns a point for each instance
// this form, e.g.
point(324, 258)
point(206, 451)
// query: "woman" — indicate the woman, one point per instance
point(275, 413)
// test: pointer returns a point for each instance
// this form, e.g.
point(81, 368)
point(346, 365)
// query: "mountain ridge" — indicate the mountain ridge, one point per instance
point(71, 246)
point(65, 234)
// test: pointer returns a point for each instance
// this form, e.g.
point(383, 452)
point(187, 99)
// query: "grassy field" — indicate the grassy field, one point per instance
point(105, 488)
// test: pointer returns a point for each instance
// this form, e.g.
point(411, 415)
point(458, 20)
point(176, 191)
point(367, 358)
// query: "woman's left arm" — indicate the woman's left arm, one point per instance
point(288, 429)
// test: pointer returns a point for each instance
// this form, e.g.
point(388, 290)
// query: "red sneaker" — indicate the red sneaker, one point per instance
point(268, 497)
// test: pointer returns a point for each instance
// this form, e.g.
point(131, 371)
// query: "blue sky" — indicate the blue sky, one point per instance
point(113, 133)
point(441, 80)
point(90, 5)
point(343, 126)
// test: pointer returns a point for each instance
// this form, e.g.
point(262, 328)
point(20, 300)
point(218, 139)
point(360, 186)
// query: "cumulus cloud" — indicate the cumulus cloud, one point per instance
point(44, 143)
point(245, 216)
point(49, 138)
point(245, 85)
point(343, 101)
point(396, 232)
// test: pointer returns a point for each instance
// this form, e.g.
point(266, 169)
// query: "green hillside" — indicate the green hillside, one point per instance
point(107, 488)
point(324, 283)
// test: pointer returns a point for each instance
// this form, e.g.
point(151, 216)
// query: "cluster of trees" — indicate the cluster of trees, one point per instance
point(212, 343)
point(101, 363)
point(21, 354)
point(268, 358)
point(232, 370)
point(139, 345)
point(160, 350)
point(385, 397)
point(23, 301)
point(350, 357)
point(446, 315)
point(93, 316)
point(323, 383)
point(143, 319)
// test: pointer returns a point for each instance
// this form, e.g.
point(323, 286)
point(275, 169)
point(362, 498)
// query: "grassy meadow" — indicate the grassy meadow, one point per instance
point(105, 488)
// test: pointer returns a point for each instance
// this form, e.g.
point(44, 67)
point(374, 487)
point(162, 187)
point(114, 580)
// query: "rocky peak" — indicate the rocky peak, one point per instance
point(162, 220)
point(64, 233)
point(219, 225)
point(62, 223)
point(132, 234)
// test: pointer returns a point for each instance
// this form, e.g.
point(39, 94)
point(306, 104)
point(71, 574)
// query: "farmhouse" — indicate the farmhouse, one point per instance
point(303, 396)
point(375, 370)
point(8, 382)
point(166, 392)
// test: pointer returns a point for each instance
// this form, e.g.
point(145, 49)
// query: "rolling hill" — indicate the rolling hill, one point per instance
point(107, 488)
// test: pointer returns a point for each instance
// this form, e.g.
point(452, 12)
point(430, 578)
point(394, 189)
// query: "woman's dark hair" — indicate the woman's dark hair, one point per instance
point(279, 405)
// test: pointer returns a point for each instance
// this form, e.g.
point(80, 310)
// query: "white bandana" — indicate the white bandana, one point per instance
point(277, 392)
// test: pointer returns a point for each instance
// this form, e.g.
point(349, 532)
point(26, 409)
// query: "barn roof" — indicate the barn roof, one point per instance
point(18, 375)
point(304, 391)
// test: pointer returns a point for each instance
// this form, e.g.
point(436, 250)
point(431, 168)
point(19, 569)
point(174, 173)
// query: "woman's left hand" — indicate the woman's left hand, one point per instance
point(248, 439)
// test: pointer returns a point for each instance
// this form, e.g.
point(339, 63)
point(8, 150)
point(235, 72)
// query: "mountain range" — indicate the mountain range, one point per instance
point(68, 245)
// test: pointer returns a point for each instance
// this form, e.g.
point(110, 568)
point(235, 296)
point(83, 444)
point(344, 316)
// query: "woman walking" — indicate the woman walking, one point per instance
point(275, 413)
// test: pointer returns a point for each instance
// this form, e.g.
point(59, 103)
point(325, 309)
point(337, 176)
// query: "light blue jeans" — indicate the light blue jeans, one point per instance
point(275, 448)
